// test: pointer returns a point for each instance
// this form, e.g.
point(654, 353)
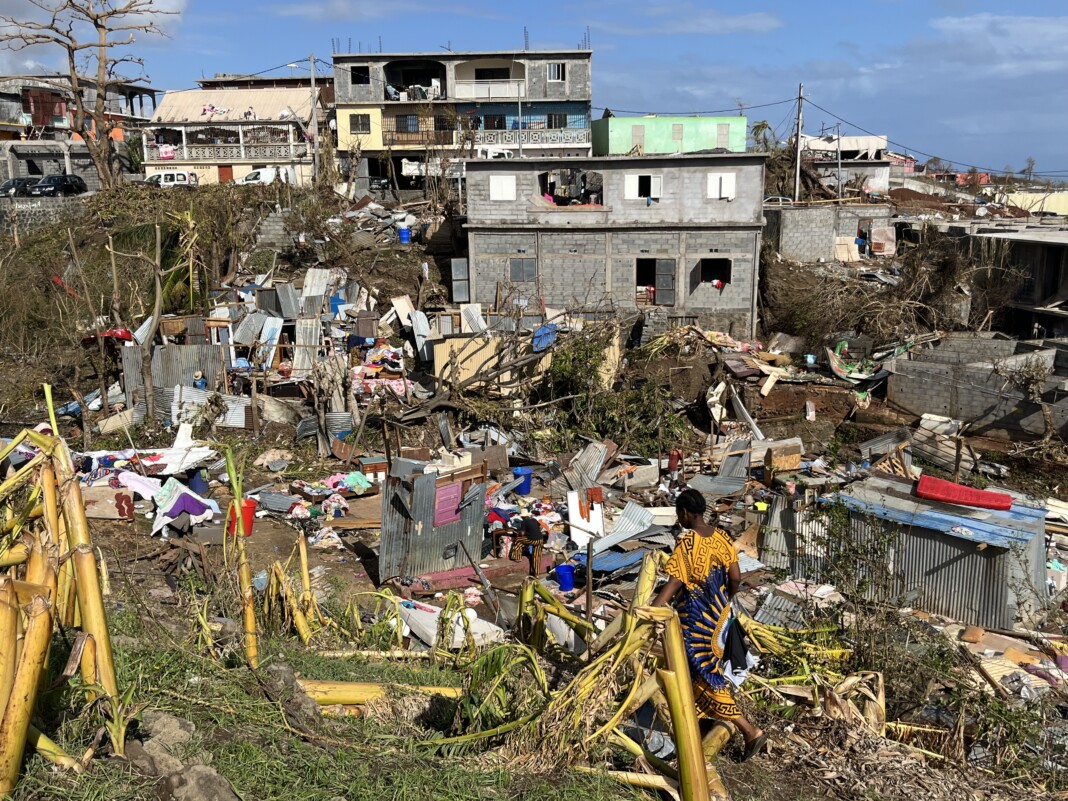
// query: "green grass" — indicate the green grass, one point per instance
point(243, 736)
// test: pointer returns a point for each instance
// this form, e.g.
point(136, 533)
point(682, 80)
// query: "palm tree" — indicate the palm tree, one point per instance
point(762, 135)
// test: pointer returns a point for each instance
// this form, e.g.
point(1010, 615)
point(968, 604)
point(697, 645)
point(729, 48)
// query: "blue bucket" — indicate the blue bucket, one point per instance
point(404, 236)
point(527, 474)
point(565, 577)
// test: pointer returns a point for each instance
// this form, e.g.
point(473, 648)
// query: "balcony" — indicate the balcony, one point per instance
point(490, 90)
point(423, 138)
point(549, 136)
point(225, 153)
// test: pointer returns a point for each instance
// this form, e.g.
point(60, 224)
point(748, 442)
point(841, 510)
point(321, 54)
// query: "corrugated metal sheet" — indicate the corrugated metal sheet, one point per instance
point(307, 427)
point(718, 486)
point(267, 300)
point(634, 520)
point(272, 329)
point(736, 462)
point(411, 545)
point(613, 561)
point(316, 282)
point(586, 466)
point(473, 318)
point(141, 334)
point(937, 570)
point(878, 446)
point(288, 301)
point(172, 365)
point(421, 332)
point(187, 407)
point(278, 502)
point(248, 330)
point(187, 106)
point(309, 334)
point(336, 422)
point(778, 610)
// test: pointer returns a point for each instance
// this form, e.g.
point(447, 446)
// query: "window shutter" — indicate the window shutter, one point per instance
point(502, 187)
point(726, 186)
point(656, 186)
point(630, 187)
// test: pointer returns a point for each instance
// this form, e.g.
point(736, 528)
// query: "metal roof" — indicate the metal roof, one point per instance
point(613, 561)
point(230, 105)
point(892, 500)
point(634, 520)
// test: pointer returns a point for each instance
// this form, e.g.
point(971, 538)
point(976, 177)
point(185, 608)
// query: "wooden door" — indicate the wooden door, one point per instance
point(226, 173)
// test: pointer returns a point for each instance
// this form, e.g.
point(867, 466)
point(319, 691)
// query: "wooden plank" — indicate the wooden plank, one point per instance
point(768, 385)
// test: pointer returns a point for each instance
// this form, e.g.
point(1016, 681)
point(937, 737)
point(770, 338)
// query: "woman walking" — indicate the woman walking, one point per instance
point(703, 578)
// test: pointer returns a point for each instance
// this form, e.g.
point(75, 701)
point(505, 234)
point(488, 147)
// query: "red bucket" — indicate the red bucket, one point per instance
point(248, 516)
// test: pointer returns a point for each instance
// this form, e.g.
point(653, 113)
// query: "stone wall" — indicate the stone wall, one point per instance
point(31, 213)
point(807, 233)
point(272, 233)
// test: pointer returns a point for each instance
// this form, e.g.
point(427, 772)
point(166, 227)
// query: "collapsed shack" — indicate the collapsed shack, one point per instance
point(980, 567)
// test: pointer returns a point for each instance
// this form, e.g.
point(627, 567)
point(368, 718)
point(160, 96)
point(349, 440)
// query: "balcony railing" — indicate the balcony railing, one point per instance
point(222, 153)
point(556, 136)
point(393, 138)
point(489, 90)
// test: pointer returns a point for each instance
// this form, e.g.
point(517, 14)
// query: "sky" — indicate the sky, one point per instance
point(970, 81)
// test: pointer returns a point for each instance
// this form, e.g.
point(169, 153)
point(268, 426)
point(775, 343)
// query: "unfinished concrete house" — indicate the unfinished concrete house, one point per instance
point(677, 237)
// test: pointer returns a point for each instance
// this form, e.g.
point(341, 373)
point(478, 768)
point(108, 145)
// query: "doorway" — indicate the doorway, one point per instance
point(226, 173)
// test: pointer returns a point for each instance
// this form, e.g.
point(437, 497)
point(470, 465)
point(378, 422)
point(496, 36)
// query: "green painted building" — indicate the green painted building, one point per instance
point(655, 135)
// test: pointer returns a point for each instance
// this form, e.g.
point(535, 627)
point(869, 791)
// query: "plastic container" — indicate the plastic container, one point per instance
point(565, 577)
point(527, 474)
point(404, 235)
point(197, 483)
point(248, 515)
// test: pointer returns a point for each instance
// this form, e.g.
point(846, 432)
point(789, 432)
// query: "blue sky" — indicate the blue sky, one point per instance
point(968, 80)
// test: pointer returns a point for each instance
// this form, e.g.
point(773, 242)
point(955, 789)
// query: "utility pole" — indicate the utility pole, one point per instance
point(797, 142)
point(838, 140)
point(315, 122)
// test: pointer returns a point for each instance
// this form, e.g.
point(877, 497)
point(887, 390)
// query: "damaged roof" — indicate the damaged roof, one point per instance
point(892, 500)
point(229, 105)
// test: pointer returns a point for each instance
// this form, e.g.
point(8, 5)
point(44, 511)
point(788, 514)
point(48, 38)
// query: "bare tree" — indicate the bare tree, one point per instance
point(88, 32)
point(1029, 168)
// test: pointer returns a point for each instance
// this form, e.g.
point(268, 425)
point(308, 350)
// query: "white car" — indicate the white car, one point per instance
point(268, 175)
point(173, 179)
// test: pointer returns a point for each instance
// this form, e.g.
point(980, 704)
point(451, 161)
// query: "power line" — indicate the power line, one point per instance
point(1045, 173)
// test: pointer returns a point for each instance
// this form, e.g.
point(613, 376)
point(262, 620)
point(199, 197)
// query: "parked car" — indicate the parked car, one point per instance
point(56, 185)
point(268, 175)
point(173, 179)
point(16, 187)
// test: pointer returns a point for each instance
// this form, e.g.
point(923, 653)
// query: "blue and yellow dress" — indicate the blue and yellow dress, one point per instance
point(701, 563)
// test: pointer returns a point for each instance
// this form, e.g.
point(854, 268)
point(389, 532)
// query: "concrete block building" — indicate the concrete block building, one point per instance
point(415, 114)
point(653, 135)
point(677, 237)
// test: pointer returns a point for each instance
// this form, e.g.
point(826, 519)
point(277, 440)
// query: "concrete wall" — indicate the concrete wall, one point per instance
point(593, 267)
point(974, 393)
point(807, 233)
point(873, 176)
point(684, 196)
point(35, 159)
point(577, 85)
point(617, 135)
point(588, 255)
point(30, 213)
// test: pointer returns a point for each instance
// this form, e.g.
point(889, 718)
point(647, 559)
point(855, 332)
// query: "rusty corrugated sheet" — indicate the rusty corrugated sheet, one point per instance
point(411, 545)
